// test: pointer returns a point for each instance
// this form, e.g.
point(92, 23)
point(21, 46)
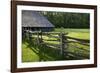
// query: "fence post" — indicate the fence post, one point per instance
point(62, 45)
point(39, 41)
point(66, 42)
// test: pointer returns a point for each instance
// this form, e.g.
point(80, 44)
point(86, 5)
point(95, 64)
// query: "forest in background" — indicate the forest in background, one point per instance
point(67, 19)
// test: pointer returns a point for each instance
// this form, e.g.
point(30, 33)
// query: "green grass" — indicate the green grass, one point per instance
point(71, 30)
point(34, 53)
point(27, 54)
point(76, 33)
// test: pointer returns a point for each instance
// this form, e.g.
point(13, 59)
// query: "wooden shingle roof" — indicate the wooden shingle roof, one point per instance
point(34, 19)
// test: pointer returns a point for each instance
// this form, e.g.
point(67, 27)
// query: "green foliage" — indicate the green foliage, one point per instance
point(68, 20)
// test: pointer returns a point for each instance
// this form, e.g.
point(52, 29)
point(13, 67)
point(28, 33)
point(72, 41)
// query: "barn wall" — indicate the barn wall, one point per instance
point(44, 29)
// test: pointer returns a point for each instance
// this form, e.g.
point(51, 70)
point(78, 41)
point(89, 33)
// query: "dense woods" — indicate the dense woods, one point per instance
point(67, 20)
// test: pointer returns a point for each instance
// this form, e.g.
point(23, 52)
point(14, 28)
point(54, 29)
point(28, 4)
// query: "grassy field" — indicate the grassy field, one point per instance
point(76, 33)
point(33, 53)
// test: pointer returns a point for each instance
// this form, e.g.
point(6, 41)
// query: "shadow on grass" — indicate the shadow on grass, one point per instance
point(78, 53)
point(47, 53)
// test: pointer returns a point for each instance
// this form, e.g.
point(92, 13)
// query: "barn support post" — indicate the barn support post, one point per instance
point(30, 35)
point(37, 37)
point(25, 32)
point(40, 36)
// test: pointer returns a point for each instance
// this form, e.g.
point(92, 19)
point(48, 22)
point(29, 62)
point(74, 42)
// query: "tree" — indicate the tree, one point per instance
point(67, 20)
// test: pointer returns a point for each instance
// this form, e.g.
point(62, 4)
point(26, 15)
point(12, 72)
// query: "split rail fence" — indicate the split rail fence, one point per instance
point(63, 42)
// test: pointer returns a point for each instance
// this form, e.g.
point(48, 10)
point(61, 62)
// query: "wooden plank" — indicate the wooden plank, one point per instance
point(79, 48)
point(53, 33)
point(82, 43)
point(50, 40)
point(50, 44)
point(81, 40)
point(52, 36)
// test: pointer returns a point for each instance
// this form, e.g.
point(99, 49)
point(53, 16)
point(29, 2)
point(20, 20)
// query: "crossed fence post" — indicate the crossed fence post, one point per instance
point(62, 44)
point(39, 43)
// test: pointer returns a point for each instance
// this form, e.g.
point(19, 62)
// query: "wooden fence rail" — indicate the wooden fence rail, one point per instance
point(81, 40)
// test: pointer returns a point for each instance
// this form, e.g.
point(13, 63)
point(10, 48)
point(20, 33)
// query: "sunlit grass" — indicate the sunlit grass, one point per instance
point(28, 55)
point(79, 35)
point(76, 33)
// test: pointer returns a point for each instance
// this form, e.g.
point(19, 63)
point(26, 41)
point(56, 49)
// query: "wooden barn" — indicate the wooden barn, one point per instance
point(34, 21)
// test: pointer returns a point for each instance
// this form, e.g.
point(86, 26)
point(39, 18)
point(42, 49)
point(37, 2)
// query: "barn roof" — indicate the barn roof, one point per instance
point(34, 19)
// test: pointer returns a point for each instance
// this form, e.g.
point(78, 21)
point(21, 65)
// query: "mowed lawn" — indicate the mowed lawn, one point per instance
point(76, 33)
point(31, 53)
